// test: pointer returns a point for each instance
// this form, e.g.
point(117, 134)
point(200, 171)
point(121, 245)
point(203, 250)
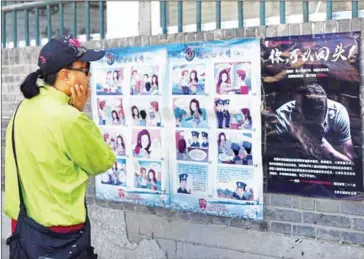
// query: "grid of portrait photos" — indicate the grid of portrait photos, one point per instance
point(214, 130)
point(234, 126)
point(110, 87)
point(146, 117)
point(192, 127)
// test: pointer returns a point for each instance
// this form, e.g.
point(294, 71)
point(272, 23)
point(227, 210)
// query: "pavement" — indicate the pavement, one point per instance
point(4, 250)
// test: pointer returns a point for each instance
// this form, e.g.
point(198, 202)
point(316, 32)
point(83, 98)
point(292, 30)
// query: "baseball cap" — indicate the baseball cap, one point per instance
point(62, 51)
point(58, 53)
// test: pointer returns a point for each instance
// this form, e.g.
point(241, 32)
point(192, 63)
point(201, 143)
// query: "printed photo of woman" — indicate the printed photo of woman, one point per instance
point(191, 116)
point(147, 143)
point(110, 111)
point(146, 113)
point(148, 175)
point(188, 79)
point(116, 175)
point(109, 82)
point(144, 80)
point(233, 78)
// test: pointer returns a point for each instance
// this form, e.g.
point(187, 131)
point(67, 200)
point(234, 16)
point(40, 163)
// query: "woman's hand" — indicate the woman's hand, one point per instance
point(79, 96)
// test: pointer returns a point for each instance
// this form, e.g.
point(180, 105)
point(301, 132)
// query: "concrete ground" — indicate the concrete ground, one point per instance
point(4, 250)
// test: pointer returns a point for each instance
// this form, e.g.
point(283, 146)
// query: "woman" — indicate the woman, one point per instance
point(221, 143)
point(115, 118)
point(115, 173)
point(101, 111)
point(142, 148)
point(224, 82)
point(196, 112)
point(135, 83)
point(120, 146)
point(115, 81)
point(240, 82)
point(135, 114)
point(154, 115)
point(193, 82)
point(154, 85)
point(184, 82)
point(248, 119)
point(152, 180)
point(122, 175)
point(141, 178)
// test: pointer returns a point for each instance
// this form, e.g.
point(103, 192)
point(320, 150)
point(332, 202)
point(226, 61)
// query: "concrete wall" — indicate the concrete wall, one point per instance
point(294, 227)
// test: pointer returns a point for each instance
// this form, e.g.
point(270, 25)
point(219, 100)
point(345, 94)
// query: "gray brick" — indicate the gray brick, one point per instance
point(169, 246)
point(127, 42)
point(306, 28)
point(183, 215)
point(137, 41)
point(359, 224)
point(190, 37)
point(222, 221)
point(355, 24)
point(250, 32)
point(260, 31)
point(344, 25)
point(318, 27)
point(154, 40)
point(209, 35)
point(353, 208)
point(328, 206)
point(240, 223)
point(132, 222)
point(5, 70)
point(303, 231)
point(326, 220)
point(163, 212)
point(266, 198)
point(271, 31)
point(228, 34)
point(218, 35)
point(163, 39)
point(199, 218)
point(145, 40)
point(294, 29)
point(281, 200)
point(331, 235)
point(281, 228)
point(353, 237)
point(239, 32)
point(199, 36)
point(303, 203)
point(282, 215)
point(282, 30)
point(180, 37)
point(135, 237)
point(331, 26)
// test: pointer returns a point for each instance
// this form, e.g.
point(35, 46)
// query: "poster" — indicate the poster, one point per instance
point(184, 122)
point(127, 104)
point(312, 115)
point(214, 93)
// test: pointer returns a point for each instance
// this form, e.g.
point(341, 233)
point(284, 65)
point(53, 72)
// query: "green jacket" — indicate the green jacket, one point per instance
point(58, 148)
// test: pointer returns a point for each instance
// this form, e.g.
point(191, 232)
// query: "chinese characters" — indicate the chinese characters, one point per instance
point(323, 54)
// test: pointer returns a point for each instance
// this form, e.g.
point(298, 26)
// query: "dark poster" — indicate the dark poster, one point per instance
point(312, 115)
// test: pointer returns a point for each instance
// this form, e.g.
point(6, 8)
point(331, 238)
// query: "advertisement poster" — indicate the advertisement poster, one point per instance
point(184, 121)
point(215, 165)
point(127, 104)
point(312, 115)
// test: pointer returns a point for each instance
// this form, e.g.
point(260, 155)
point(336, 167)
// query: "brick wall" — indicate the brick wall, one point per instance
point(294, 227)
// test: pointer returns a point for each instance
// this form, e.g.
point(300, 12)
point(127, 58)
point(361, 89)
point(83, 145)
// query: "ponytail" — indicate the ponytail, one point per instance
point(29, 86)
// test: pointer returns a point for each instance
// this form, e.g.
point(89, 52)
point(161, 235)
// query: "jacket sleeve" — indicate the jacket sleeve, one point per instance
point(85, 146)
